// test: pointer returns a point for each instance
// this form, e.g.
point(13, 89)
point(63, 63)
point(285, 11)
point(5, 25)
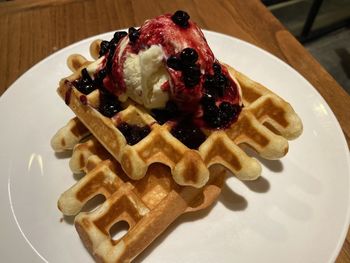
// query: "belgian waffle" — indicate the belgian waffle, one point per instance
point(147, 205)
point(265, 124)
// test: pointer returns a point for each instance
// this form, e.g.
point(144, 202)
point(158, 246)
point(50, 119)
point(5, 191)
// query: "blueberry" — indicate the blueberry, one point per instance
point(110, 109)
point(161, 115)
point(113, 43)
point(174, 63)
point(172, 108)
point(85, 76)
point(189, 56)
point(212, 116)
point(180, 18)
point(221, 83)
point(124, 128)
point(169, 112)
point(99, 76)
point(85, 84)
point(191, 75)
point(209, 81)
point(133, 133)
point(192, 70)
point(190, 80)
point(220, 117)
point(229, 111)
point(133, 34)
point(213, 120)
point(104, 46)
point(109, 105)
point(226, 107)
point(189, 134)
point(217, 68)
point(85, 88)
point(210, 86)
point(207, 100)
point(119, 35)
point(221, 80)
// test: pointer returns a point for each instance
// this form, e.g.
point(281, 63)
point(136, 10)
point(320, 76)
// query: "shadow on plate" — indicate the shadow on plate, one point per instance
point(273, 165)
point(91, 205)
point(228, 198)
point(63, 155)
point(260, 185)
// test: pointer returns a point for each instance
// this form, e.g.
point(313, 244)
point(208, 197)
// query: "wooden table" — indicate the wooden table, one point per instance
point(33, 29)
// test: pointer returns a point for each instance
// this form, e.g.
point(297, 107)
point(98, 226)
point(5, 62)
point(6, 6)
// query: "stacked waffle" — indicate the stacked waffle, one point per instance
point(148, 205)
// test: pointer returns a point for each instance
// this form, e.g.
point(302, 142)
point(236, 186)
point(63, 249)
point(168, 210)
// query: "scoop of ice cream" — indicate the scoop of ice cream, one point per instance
point(168, 59)
point(162, 36)
point(146, 77)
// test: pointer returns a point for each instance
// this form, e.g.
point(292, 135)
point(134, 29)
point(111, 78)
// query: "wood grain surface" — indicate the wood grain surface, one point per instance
point(33, 29)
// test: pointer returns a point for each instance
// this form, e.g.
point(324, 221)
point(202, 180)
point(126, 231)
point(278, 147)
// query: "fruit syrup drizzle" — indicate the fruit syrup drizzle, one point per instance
point(217, 103)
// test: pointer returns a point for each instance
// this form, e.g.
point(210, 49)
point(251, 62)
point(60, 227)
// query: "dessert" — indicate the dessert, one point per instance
point(158, 95)
point(156, 98)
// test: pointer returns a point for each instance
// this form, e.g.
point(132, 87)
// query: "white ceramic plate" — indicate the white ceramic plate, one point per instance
point(298, 211)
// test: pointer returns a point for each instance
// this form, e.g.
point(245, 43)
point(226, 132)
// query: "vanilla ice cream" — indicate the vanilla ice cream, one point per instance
point(144, 76)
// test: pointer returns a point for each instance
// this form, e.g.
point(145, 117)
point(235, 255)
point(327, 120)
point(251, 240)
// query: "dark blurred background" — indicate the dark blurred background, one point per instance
point(323, 27)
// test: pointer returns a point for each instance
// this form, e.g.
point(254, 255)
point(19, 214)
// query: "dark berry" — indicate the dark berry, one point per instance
point(210, 86)
point(217, 68)
point(207, 100)
point(85, 76)
point(119, 35)
point(226, 106)
point(180, 18)
point(192, 70)
point(189, 56)
point(220, 117)
point(189, 134)
point(124, 128)
point(171, 107)
point(104, 47)
point(174, 63)
point(99, 76)
point(110, 109)
point(109, 105)
point(212, 116)
point(133, 133)
point(221, 83)
point(229, 111)
point(85, 88)
point(163, 115)
point(85, 84)
point(209, 81)
point(133, 34)
point(221, 80)
point(191, 80)
point(191, 75)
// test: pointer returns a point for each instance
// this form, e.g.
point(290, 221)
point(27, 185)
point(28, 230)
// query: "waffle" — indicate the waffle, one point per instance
point(148, 205)
point(266, 123)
